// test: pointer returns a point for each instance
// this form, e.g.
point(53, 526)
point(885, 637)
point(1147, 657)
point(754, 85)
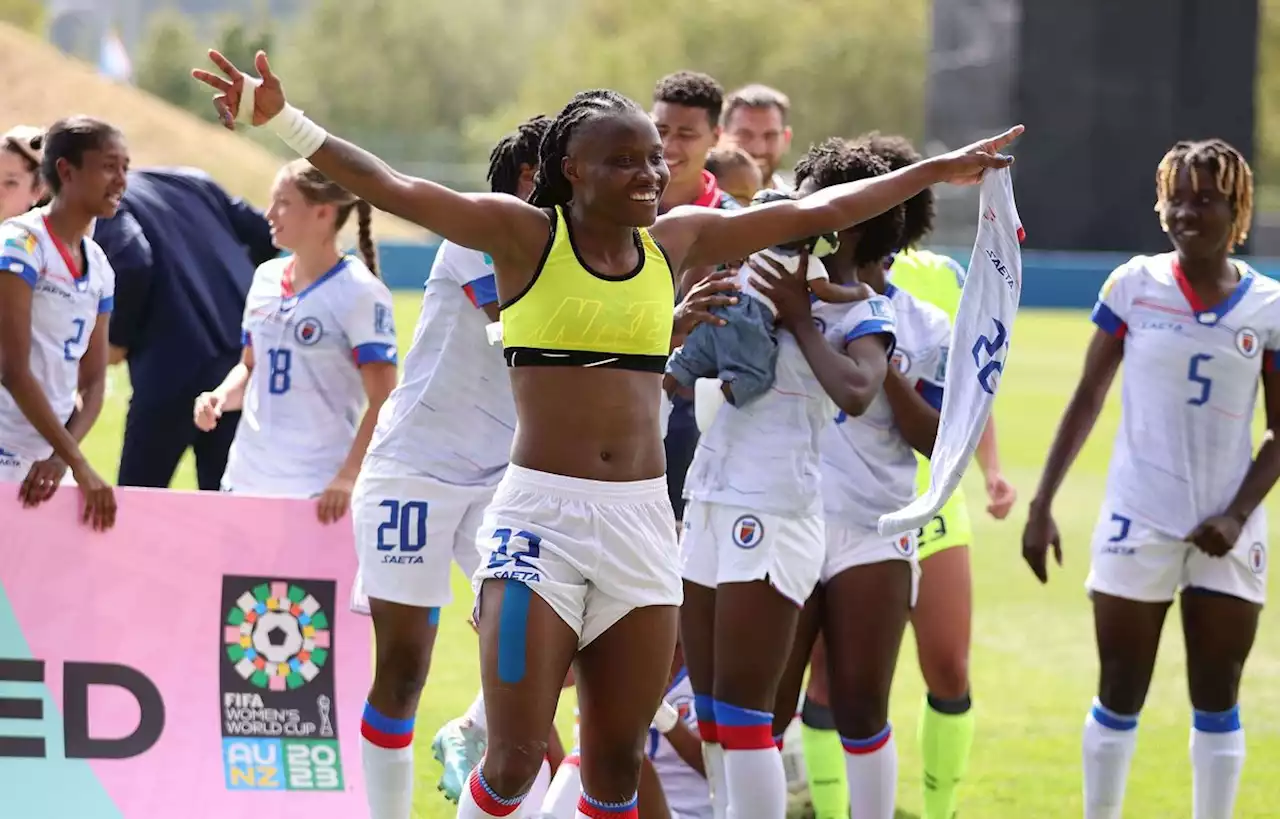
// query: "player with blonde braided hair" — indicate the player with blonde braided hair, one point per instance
point(1197, 330)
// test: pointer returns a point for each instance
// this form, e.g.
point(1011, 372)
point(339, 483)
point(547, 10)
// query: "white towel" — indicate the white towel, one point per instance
point(979, 348)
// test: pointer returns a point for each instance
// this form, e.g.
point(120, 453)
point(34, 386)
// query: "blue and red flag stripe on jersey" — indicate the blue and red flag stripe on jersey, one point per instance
point(931, 393)
point(870, 745)
point(1269, 363)
point(1107, 321)
point(384, 731)
point(482, 291)
point(704, 708)
point(374, 352)
point(743, 729)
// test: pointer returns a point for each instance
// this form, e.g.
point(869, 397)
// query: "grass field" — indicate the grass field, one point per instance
point(1033, 660)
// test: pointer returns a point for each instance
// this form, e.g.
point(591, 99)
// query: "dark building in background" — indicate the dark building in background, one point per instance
point(1104, 88)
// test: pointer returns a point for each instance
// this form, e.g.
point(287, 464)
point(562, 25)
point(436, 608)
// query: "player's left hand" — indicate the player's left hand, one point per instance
point(716, 290)
point(335, 499)
point(42, 481)
point(1000, 496)
point(788, 291)
point(1216, 536)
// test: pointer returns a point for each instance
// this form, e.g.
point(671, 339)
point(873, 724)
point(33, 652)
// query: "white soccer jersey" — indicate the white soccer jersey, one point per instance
point(452, 418)
point(868, 468)
point(64, 309)
point(688, 794)
point(1191, 375)
point(764, 456)
point(305, 395)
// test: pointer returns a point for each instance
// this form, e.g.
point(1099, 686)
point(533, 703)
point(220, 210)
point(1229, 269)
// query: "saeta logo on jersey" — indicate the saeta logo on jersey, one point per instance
point(1258, 558)
point(1000, 268)
point(276, 681)
point(748, 531)
point(308, 331)
point(1247, 342)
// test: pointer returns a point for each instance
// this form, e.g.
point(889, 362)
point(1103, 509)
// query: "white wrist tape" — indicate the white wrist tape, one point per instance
point(666, 718)
point(298, 132)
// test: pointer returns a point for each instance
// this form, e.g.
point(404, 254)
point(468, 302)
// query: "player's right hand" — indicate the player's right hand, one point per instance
point(268, 94)
point(208, 410)
point(99, 498)
point(1041, 534)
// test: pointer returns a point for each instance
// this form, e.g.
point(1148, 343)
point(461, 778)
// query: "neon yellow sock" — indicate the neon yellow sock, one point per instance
point(946, 738)
point(824, 766)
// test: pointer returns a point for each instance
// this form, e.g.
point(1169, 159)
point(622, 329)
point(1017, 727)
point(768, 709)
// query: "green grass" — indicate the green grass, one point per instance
point(1033, 663)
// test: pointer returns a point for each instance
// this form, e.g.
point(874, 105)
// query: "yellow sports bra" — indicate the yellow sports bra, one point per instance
point(571, 316)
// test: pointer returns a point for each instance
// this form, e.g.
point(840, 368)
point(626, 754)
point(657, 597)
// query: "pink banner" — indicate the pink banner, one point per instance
point(198, 660)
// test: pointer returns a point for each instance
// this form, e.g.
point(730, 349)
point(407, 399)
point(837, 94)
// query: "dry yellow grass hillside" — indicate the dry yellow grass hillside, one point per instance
point(40, 84)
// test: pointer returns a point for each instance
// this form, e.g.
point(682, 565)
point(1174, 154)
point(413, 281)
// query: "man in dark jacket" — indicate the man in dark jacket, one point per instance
point(184, 252)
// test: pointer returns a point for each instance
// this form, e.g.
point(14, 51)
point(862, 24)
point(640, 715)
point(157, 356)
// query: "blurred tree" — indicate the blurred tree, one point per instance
point(165, 56)
point(27, 15)
point(1267, 96)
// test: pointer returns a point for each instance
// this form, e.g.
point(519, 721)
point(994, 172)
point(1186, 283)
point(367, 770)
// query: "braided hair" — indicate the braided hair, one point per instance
point(1231, 175)
point(836, 161)
point(318, 189)
point(514, 151)
point(550, 186)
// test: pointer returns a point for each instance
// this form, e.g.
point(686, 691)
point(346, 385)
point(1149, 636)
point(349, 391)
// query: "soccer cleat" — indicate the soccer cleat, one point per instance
point(458, 747)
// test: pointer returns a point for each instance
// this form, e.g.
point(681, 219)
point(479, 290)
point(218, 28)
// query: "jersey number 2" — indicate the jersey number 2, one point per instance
point(76, 339)
point(500, 557)
point(1193, 375)
point(278, 363)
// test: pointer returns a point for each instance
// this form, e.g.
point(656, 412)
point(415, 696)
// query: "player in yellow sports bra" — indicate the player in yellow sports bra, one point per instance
point(582, 559)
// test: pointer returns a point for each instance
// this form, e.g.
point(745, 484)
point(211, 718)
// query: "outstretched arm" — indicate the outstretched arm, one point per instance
point(502, 226)
point(701, 236)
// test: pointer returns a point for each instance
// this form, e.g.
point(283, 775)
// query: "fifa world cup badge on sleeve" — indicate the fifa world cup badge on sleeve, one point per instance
point(276, 683)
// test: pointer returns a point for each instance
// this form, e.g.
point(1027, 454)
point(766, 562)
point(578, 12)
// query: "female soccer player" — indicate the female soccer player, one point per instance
point(1197, 330)
point(753, 541)
point(319, 341)
point(20, 185)
point(868, 467)
point(56, 291)
point(942, 615)
point(582, 562)
point(442, 443)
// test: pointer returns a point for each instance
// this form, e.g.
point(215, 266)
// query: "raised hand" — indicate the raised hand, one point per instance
point(966, 165)
point(232, 85)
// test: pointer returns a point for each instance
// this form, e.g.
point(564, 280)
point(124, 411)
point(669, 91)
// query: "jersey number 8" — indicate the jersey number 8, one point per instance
point(278, 363)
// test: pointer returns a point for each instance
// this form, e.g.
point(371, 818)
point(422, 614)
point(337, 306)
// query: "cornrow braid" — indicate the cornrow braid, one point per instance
point(550, 186)
point(516, 149)
point(364, 236)
point(1231, 175)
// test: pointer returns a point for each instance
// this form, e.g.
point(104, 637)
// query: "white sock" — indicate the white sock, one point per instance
point(713, 761)
point(1109, 740)
point(388, 780)
point(532, 805)
point(562, 796)
point(386, 756)
point(479, 801)
point(1217, 758)
point(475, 712)
point(871, 766)
point(755, 783)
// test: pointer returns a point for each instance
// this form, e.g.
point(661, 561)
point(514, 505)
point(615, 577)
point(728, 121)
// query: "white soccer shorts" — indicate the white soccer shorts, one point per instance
point(849, 547)
point(14, 469)
point(408, 530)
point(735, 544)
point(1133, 561)
point(593, 550)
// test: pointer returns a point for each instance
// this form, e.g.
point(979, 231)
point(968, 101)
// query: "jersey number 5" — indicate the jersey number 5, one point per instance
point(1193, 375)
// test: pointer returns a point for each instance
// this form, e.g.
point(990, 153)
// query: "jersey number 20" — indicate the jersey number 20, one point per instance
point(1193, 375)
